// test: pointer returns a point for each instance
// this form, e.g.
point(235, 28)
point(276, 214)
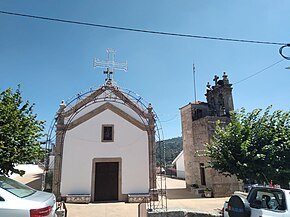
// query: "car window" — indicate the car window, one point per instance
point(1, 199)
point(15, 187)
point(272, 199)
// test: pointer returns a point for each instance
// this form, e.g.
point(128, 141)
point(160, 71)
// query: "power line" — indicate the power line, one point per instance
point(171, 119)
point(143, 30)
point(258, 72)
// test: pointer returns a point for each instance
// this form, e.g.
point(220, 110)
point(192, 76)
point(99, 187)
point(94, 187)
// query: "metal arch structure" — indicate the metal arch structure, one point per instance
point(152, 204)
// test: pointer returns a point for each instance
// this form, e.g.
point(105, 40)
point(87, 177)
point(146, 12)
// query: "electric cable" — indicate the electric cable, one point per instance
point(171, 119)
point(284, 45)
point(244, 79)
point(142, 30)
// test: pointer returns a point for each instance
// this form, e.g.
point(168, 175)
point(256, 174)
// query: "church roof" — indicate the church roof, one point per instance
point(194, 103)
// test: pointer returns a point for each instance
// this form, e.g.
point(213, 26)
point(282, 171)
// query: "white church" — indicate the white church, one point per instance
point(105, 146)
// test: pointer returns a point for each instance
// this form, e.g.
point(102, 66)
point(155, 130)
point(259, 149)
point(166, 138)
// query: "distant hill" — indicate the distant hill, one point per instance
point(172, 148)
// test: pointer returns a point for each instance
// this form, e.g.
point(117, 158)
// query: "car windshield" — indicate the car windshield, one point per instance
point(15, 188)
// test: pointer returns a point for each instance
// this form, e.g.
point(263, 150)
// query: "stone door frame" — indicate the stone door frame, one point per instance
point(121, 197)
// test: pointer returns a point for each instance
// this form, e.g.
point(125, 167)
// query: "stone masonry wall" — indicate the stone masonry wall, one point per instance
point(200, 138)
point(187, 139)
point(182, 213)
point(195, 135)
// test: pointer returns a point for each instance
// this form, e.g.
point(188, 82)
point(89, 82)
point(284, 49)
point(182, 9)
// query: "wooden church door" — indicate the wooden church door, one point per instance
point(106, 181)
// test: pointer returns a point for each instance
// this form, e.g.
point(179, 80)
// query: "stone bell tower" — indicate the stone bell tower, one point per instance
point(198, 120)
point(219, 97)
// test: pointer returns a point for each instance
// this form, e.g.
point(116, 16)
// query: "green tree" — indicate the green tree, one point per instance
point(20, 132)
point(253, 145)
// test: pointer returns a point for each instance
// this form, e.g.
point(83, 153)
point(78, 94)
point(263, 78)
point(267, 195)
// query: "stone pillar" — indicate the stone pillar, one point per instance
point(58, 152)
point(152, 152)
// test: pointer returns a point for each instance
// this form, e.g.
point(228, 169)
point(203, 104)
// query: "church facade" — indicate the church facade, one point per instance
point(105, 147)
point(198, 125)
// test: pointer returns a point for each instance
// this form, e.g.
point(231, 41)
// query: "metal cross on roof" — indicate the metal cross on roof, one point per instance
point(110, 64)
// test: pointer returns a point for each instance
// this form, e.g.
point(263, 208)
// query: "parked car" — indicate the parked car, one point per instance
point(261, 201)
point(18, 200)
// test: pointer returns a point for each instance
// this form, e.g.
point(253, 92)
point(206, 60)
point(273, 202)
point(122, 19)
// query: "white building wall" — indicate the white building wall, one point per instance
point(119, 105)
point(83, 143)
point(180, 167)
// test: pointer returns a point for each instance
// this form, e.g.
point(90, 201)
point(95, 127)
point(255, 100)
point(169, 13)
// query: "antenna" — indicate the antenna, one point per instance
point(194, 84)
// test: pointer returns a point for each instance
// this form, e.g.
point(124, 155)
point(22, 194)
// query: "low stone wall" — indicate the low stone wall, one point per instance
point(78, 198)
point(181, 213)
point(138, 198)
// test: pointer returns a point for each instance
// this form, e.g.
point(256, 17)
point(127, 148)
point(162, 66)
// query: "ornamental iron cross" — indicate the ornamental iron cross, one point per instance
point(110, 64)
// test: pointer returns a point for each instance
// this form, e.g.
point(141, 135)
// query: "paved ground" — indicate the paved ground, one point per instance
point(32, 176)
point(178, 198)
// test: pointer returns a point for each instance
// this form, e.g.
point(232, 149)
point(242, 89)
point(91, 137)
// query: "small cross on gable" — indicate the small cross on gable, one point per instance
point(108, 73)
point(110, 65)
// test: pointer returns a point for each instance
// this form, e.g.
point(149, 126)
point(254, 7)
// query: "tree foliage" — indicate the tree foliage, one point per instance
point(253, 145)
point(20, 132)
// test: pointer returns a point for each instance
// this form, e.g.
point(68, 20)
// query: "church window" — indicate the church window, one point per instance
point(107, 133)
point(196, 114)
point(221, 105)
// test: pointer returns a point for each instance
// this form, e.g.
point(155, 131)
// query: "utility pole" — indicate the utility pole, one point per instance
point(194, 84)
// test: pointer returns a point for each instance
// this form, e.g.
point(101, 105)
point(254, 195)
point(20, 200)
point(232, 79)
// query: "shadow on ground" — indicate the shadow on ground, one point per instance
point(36, 182)
point(179, 193)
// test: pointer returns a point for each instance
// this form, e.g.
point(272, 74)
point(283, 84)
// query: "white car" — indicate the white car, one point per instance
point(261, 201)
point(18, 200)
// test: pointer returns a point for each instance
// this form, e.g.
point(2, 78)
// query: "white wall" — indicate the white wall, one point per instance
point(119, 105)
point(180, 167)
point(83, 144)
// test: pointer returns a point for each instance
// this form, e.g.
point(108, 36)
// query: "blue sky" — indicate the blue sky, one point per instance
point(54, 61)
